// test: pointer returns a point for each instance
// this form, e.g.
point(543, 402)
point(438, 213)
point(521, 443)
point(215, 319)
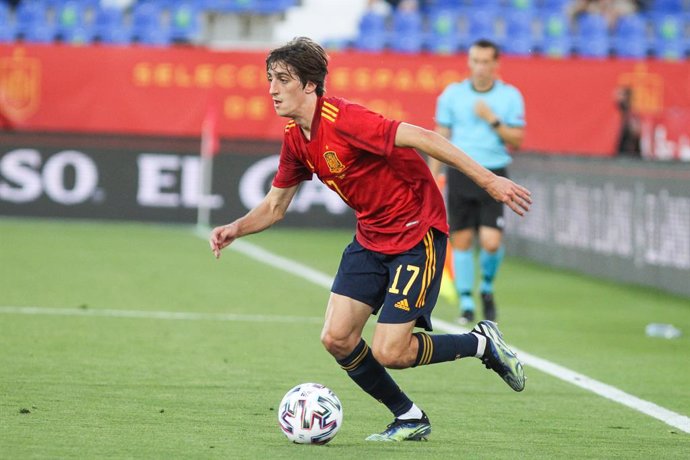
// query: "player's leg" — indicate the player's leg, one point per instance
point(361, 281)
point(491, 252)
point(410, 301)
point(463, 267)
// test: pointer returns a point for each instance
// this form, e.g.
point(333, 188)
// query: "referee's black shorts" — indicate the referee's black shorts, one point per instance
point(469, 205)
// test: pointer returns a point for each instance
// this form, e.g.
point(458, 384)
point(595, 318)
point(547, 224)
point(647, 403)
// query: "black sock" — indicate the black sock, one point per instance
point(373, 378)
point(444, 347)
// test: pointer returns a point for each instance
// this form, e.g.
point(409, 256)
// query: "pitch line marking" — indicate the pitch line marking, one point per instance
point(612, 393)
point(157, 314)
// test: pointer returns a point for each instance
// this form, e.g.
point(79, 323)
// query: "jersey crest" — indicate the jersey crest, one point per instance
point(335, 166)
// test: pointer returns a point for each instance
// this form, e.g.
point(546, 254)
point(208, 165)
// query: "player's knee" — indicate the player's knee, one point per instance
point(391, 358)
point(336, 346)
point(491, 246)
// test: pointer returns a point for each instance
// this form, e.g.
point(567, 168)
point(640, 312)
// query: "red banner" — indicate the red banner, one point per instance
point(570, 103)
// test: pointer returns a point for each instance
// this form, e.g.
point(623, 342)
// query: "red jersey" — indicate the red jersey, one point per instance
point(352, 150)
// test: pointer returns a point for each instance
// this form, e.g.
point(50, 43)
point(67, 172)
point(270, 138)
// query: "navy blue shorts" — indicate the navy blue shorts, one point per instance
point(403, 287)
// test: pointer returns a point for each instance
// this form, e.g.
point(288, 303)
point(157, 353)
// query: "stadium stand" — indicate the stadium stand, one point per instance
point(520, 27)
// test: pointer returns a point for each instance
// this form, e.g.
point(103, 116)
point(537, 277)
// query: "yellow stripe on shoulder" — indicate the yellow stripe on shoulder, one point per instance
point(330, 106)
point(290, 125)
point(328, 116)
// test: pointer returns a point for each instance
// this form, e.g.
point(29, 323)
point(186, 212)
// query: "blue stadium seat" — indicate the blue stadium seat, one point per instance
point(554, 6)
point(668, 27)
point(670, 50)
point(443, 31)
point(39, 33)
point(482, 23)
point(118, 35)
point(520, 5)
point(185, 22)
point(107, 18)
point(592, 38)
point(5, 15)
point(406, 35)
point(268, 7)
point(77, 35)
point(557, 47)
point(154, 37)
point(630, 38)
point(30, 17)
point(411, 43)
point(372, 34)
point(72, 27)
point(519, 36)
point(147, 26)
point(666, 6)
point(8, 32)
point(234, 6)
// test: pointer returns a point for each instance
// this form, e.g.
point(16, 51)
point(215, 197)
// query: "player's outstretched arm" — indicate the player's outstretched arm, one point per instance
point(271, 209)
point(515, 196)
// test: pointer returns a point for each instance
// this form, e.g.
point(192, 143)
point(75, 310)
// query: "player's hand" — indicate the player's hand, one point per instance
point(483, 111)
point(222, 237)
point(515, 196)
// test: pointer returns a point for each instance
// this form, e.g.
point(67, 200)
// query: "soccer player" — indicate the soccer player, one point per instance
point(393, 265)
point(482, 115)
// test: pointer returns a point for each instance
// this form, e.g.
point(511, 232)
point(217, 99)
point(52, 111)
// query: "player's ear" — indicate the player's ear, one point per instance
point(310, 87)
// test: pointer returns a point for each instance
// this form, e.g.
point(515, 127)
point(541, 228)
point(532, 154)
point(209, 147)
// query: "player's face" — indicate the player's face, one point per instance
point(483, 65)
point(285, 89)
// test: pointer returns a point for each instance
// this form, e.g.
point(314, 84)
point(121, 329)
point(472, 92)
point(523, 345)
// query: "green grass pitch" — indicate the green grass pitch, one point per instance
point(92, 386)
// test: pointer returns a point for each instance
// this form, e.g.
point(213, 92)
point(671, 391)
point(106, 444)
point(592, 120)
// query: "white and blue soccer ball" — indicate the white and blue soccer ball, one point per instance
point(310, 413)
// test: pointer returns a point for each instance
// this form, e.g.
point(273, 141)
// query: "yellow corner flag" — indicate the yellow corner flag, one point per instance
point(448, 291)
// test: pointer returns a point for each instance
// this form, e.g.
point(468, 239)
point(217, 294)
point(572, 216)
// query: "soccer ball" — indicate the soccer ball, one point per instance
point(310, 413)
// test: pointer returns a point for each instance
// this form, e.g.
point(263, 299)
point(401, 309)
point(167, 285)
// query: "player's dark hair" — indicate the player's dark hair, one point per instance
point(306, 57)
point(484, 43)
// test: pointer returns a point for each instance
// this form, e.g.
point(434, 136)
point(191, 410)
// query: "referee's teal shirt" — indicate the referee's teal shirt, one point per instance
point(455, 110)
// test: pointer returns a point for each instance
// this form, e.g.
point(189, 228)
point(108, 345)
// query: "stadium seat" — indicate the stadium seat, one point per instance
point(268, 7)
point(147, 26)
point(118, 35)
point(412, 43)
point(666, 6)
point(592, 38)
point(668, 27)
point(72, 27)
point(8, 33)
point(234, 6)
point(670, 50)
point(406, 34)
point(481, 23)
point(372, 34)
point(30, 17)
point(153, 36)
point(557, 47)
point(549, 7)
point(107, 18)
point(553, 28)
point(443, 31)
point(630, 38)
point(520, 5)
point(520, 37)
point(185, 22)
point(39, 33)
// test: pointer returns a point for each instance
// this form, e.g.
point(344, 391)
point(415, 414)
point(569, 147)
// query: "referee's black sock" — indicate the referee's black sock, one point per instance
point(373, 378)
point(446, 347)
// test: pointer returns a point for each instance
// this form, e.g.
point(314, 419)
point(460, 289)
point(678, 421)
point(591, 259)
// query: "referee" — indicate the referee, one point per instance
point(484, 116)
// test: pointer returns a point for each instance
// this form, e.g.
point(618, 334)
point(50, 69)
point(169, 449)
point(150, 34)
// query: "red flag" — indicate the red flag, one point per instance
point(210, 144)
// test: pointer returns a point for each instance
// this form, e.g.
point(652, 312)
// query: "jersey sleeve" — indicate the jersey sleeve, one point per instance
point(515, 115)
point(367, 130)
point(444, 114)
point(291, 170)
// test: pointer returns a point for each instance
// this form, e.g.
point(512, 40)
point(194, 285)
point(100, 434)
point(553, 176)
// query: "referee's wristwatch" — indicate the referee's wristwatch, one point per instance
point(496, 124)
